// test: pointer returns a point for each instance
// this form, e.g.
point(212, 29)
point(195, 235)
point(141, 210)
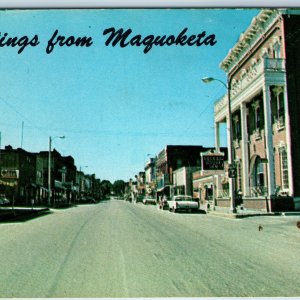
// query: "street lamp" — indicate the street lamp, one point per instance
point(49, 166)
point(230, 146)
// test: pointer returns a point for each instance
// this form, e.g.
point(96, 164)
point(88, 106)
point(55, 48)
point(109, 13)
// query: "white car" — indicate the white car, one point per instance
point(149, 200)
point(182, 202)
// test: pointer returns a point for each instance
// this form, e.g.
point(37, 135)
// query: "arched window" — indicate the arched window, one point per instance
point(259, 179)
point(284, 168)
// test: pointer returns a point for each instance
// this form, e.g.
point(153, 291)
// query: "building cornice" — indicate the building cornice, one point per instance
point(259, 26)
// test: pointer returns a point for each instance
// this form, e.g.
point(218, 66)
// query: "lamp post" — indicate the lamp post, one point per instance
point(230, 148)
point(49, 166)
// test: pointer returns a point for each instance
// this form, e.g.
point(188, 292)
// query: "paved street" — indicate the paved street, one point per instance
point(120, 249)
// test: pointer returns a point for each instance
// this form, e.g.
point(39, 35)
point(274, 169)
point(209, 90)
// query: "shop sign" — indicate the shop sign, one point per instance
point(213, 162)
point(10, 173)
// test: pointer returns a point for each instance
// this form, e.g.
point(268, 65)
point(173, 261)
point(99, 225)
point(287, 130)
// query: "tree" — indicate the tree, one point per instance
point(106, 187)
point(119, 187)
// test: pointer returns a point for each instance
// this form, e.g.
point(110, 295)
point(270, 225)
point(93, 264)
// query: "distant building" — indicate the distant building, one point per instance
point(208, 180)
point(150, 177)
point(140, 179)
point(263, 77)
point(182, 181)
point(20, 179)
point(172, 158)
point(63, 177)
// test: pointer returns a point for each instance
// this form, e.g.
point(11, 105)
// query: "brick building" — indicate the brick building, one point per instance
point(174, 157)
point(262, 70)
point(20, 177)
point(63, 177)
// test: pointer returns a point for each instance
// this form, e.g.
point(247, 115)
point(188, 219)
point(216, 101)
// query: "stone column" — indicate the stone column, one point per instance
point(288, 141)
point(269, 140)
point(217, 136)
point(245, 154)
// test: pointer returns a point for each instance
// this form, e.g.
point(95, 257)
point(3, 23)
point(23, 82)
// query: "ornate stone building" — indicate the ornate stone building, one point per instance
point(264, 84)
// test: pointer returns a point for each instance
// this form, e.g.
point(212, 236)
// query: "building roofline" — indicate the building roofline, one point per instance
point(247, 39)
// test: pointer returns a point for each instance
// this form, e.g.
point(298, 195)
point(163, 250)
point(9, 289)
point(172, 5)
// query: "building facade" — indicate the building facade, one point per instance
point(173, 157)
point(24, 178)
point(150, 177)
point(265, 106)
point(182, 181)
point(18, 175)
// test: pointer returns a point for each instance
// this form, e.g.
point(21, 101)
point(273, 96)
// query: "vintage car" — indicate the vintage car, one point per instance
point(149, 200)
point(139, 199)
point(182, 202)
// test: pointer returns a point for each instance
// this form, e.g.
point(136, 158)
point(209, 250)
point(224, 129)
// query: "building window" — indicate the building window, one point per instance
point(284, 168)
point(237, 128)
point(276, 51)
point(239, 176)
point(225, 189)
point(280, 105)
point(259, 180)
point(257, 118)
point(179, 163)
point(278, 110)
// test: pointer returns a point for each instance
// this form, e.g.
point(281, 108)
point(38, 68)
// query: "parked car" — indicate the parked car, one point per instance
point(139, 199)
point(163, 204)
point(90, 199)
point(182, 202)
point(149, 200)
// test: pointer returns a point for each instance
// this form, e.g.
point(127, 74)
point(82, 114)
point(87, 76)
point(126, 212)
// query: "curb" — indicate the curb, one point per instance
point(239, 215)
point(21, 215)
point(254, 214)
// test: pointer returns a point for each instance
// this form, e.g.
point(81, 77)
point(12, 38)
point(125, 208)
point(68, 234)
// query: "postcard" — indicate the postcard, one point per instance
point(149, 152)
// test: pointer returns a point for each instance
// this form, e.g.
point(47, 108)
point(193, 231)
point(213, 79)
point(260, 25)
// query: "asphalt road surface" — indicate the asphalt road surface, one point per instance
point(119, 249)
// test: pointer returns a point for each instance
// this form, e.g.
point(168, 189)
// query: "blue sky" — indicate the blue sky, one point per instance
point(114, 105)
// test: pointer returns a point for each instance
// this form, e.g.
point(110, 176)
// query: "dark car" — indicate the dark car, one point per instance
point(91, 199)
point(139, 199)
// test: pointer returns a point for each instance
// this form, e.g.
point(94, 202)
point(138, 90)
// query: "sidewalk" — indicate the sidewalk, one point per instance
point(21, 214)
point(244, 213)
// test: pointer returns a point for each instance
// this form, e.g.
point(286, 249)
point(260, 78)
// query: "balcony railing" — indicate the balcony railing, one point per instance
point(258, 191)
point(262, 66)
point(223, 194)
point(274, 64)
